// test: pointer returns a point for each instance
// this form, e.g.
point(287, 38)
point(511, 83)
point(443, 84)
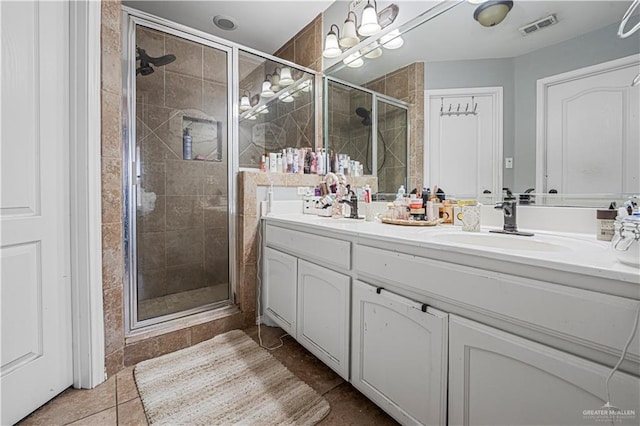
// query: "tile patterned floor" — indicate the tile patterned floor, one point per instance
point(177, 302)
point(116, 402)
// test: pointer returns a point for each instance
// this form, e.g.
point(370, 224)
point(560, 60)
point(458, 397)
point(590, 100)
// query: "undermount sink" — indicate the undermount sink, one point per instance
point(501, 241)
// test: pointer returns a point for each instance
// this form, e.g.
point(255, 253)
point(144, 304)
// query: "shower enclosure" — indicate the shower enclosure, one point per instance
point(371, 128)
point(187, 130)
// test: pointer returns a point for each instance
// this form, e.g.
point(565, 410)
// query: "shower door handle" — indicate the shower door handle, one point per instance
point(135, 166)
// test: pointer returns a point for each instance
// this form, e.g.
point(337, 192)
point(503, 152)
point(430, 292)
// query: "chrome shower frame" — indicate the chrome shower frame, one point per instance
point(135, 328)
point(375, 98)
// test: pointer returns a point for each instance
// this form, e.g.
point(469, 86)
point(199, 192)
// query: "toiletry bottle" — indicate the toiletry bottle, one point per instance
point(425, 200)
point(320, 162)
point(295, 164)
point(314, 164)
point(186, 144)
point(263, 166)
point(279, 163)
point(273, 166)
point(289, 160)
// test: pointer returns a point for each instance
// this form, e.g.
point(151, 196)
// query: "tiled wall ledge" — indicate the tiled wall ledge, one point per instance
point(248, 219)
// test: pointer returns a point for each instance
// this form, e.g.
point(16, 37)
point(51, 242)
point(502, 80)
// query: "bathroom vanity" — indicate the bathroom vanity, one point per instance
point(438, 326)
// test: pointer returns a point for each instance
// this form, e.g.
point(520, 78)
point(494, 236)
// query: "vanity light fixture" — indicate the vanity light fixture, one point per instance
point(370, 24)
point(275, 80)
point(267, 91)
point(349, 37)
point(491, 13)
point(392, 40)
point(286, 97)
point(331, 47)
point(376, 52)
point(285, 76)
point(245, 105)
point(353, 61)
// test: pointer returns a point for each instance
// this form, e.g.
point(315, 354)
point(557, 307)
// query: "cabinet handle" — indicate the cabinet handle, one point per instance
point(416, 305)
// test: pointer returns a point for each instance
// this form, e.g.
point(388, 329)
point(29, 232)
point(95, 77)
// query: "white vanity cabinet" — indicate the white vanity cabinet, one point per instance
point(279, 288)
point(323, 315)
point(498, 378)
point(304, 293)
point(399, 355)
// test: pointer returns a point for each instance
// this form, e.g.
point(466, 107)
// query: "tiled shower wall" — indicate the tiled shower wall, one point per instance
point(182, 222)
point(407, 84)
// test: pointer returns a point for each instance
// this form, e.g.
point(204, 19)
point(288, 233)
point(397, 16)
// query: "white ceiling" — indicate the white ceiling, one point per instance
point(456, 35)
point(264, 25)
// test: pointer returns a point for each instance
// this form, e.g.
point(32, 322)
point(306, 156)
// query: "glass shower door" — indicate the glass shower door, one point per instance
point(181, 220)
point(392, 147)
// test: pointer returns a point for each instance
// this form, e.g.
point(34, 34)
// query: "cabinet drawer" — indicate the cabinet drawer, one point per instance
point(323, 250)
point(601, 322)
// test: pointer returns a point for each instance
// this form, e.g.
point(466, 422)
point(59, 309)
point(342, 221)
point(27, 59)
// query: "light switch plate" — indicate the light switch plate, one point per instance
point(508, 163)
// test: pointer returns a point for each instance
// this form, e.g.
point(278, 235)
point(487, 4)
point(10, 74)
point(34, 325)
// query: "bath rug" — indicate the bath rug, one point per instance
point(227, 380)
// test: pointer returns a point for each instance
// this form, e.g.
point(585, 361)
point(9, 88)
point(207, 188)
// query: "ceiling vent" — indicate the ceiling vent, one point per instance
point(538, 25)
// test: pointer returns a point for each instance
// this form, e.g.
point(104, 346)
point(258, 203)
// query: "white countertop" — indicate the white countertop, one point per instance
point(575, 253)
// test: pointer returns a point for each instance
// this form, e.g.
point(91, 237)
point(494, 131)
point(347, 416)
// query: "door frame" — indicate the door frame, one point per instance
point(542, 89)
point(496, 93)
point(85, 194)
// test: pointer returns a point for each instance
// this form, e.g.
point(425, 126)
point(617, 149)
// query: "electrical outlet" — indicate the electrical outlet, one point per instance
point(508, 163)
point(302, 190)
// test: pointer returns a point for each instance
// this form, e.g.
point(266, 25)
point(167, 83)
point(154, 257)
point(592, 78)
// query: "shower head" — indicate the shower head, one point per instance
point(365, 114)
point(146, 61)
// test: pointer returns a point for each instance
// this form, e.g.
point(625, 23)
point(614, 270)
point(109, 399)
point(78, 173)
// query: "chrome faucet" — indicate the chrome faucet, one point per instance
point(353, 203)
point(508, 207)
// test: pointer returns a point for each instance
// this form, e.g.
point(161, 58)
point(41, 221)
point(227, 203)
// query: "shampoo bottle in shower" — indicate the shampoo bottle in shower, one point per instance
point(186, 144)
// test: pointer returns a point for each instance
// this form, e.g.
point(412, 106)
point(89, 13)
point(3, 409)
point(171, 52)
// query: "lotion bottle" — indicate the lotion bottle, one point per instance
point(187, 142)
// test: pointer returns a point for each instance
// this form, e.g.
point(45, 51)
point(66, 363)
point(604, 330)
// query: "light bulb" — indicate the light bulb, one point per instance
point(245, 105)
point(375, 53)
point(349, 37)
point(266, 89)
point(392, 40)
point(285, 77)
point(370, 24)
point(331, 48)
point(354, 61)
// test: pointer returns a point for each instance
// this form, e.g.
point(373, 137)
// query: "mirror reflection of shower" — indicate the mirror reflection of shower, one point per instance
point(146, 61)
point(365, 114)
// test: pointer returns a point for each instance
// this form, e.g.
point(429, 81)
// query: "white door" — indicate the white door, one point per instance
point(592, 134)
point(36, 352)
point(323, 315)
point(399, 355)
point(280, 277)
point(496, 378)
point(463, 152)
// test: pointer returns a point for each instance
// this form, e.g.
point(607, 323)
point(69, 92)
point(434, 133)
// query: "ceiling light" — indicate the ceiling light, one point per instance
point(374, 53)
point(267, 92)
point(285, 76)
point(493, 12)
point(349, 37)
point(392, 40)
point(245, 105)
point(331, 48)
point(370, 24)
point(226, 23)
point(354, 61)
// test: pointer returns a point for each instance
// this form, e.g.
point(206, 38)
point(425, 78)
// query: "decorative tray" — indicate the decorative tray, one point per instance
point(410, 222)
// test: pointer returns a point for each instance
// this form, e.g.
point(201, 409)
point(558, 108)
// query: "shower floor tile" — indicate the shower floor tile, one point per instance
point(176, 302)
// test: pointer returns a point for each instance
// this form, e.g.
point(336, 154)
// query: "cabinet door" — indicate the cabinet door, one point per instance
point(323, 315)
point(399, 355)
point(497, 378)
point(279, 289)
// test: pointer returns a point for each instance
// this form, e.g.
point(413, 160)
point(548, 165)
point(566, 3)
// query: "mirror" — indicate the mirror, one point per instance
point(460, 53)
